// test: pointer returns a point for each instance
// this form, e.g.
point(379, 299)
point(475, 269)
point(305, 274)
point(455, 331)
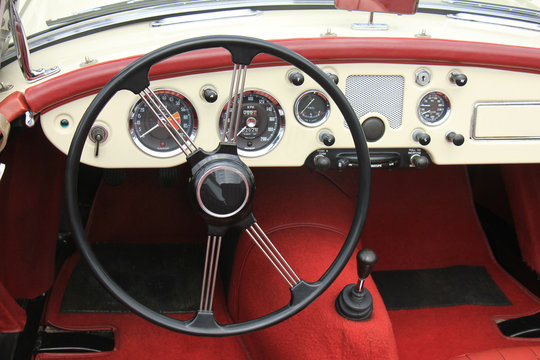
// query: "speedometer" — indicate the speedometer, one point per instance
point(150, 135)
point(261, 124)
point(434, 108)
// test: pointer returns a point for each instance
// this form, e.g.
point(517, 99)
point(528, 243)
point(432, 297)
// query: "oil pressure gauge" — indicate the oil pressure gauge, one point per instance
point(312, 108)
point(434, 108)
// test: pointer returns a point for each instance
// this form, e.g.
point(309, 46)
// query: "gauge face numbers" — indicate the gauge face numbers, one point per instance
point(150, 135)
point(434, 108)
point(261, 124)
point(312, 108)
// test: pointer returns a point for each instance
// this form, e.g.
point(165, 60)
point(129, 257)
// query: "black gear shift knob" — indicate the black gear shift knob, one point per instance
point(365, 260)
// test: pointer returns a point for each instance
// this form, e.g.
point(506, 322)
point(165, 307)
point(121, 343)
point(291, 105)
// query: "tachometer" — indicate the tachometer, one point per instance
point(434, 108)
point(312, 108)
point(262, 123)
point(149, 134)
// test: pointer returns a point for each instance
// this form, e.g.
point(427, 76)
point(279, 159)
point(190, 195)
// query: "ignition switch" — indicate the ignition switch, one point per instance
point(98, 134)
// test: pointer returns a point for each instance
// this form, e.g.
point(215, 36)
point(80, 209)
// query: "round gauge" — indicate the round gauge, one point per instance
point(150, 135)
point(434, 108)
point(261, 124)
point(312, 108)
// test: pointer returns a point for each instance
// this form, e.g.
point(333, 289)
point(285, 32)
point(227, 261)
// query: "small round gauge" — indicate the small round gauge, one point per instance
point(261, 124)
point(150, 135)
point(312, 108)
point(434, 108)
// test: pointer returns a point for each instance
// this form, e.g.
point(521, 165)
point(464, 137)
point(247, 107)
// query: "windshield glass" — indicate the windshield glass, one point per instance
point(39, 16)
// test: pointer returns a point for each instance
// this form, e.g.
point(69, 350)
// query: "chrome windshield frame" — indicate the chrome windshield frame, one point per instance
point(64, 30)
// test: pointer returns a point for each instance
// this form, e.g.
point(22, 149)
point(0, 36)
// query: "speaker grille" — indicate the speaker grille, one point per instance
point(382, 94)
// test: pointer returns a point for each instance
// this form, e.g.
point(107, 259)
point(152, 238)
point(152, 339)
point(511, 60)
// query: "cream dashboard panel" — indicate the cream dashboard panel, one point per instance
point(484, 86)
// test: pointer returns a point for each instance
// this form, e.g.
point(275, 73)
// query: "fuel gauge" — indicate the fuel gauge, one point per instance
point(312, 108)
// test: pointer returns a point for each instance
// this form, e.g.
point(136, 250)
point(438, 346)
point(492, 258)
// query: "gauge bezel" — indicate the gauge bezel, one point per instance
point(170, 153)
point(271, 145)
point(447, 111)
point(299, 117)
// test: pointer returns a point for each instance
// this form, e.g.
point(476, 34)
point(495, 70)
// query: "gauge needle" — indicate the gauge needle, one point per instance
point(244, 128)
point(149, 130)
point(312, 100)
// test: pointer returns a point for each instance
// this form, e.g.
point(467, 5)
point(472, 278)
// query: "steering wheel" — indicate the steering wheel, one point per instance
point(221, 185)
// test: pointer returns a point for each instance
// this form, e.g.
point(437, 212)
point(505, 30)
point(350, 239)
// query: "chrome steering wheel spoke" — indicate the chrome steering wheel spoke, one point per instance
point(168, 121)
point(264, 243)
point(211, 263)
point(234, 105)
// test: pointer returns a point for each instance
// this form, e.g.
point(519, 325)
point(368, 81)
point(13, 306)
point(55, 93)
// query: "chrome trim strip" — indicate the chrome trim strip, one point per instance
point(495, 21)
point(454, 7)
point(63, 32)
point(218, 15)
point(499, 103)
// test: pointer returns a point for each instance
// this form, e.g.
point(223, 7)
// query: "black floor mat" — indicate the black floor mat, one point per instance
point(451, 286)
point(164, 277)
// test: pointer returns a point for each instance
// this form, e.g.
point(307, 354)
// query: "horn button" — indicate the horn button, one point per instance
point(223, 189)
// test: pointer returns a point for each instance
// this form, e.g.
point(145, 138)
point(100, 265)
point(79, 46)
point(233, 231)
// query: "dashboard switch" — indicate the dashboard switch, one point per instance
point(296, 78)
point(419, 161)
point(421, 137)
point(458, 78)
point(322, 162)
point(456, 139)
point(210, 95)
point(333, 77)
point(327, 138)
point(98, 134)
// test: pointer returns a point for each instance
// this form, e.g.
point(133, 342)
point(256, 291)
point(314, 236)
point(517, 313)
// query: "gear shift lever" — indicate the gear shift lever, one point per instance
point(354, 301)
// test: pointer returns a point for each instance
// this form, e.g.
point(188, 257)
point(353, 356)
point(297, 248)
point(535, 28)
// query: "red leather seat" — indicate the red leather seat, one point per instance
point(515, 353)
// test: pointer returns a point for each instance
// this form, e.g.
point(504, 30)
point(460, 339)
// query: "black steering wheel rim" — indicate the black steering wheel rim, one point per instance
point(135, 78)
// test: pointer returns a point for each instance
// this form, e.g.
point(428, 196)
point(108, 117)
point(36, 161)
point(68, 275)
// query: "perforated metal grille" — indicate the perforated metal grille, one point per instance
point(377, 93)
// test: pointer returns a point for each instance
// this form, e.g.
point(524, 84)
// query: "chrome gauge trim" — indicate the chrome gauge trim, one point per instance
point(153, 152)
point(297, 112)
point(275, 141)
point(201, 182)
point(446, 111)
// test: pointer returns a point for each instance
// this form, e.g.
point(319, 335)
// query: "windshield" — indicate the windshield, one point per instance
point(39, 16)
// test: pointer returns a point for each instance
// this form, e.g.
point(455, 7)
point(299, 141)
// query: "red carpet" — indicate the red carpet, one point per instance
point(418, 219)
point(429, 221)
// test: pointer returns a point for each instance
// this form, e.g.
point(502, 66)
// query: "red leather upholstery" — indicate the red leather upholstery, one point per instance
point(515, 353)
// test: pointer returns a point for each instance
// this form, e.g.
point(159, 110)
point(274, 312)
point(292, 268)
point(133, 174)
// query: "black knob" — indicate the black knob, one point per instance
point(296, 78)
point(327, 138)
point(333, 77)
point(419, 161)
point(322, 162)
point(457, 139)
point(342, 164)
point(365, 260)
point(458, 78)
point(422, 137)
point(210, 95)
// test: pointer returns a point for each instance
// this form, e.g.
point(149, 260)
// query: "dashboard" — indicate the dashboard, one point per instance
point(447, 114)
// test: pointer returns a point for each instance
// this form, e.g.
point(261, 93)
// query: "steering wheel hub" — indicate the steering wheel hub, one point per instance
point(223, 190)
